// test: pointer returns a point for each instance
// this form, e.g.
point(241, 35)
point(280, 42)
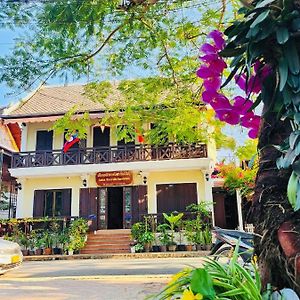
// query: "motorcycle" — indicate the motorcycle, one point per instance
point(227, 240)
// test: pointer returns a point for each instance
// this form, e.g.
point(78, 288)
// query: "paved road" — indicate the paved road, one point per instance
point(109, 279)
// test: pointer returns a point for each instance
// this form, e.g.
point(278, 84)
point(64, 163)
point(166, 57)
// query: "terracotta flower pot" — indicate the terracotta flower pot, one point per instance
point(189, 247)
point(47, 251)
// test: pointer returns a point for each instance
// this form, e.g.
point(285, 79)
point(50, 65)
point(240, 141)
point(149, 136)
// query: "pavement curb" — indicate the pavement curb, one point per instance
point(151, 255)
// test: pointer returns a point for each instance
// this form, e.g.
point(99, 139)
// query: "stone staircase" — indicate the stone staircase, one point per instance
point(108, 241)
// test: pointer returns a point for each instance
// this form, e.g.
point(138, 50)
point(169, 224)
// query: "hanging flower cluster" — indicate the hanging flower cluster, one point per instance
point(238, 112)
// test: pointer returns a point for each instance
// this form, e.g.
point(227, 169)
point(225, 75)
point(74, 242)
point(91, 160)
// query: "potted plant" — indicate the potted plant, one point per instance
point(198, 239)
point(39, 245)
point(173, 221)
point(138, 248)
point(189, 234)
point(146, 239)
point(48, 242)
point(32, 242)
point(207, 238)
point(137, 230)
point(163, 237)
point(24, 241)
point(181, 246)
point(77, 235)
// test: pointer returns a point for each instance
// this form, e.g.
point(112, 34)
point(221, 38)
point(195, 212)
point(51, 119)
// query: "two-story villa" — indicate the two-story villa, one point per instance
point(114, 181)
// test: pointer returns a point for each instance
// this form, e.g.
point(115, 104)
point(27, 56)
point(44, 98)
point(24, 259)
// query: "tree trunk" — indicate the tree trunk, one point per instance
point(276, 224)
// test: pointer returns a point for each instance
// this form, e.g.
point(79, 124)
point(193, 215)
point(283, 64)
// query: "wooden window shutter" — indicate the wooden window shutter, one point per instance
point(66, 202)
point(38, 203)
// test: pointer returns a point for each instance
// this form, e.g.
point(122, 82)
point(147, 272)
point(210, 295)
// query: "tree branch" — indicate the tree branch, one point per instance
point(88, 57)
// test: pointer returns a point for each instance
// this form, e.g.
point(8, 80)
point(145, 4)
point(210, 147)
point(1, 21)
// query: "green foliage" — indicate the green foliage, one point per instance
point(137, 230)
point(173, 221)
point(164, 237)
point(247, 151)
point(77, 234)
point(215, 281)
point(147, 237)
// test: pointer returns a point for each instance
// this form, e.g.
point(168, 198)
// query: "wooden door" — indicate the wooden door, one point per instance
point(88, 206)
point(139, 202)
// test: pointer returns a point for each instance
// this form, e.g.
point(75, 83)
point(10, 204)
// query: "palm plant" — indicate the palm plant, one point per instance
point(173, 221)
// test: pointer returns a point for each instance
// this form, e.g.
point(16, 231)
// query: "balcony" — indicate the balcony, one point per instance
point(106, 155)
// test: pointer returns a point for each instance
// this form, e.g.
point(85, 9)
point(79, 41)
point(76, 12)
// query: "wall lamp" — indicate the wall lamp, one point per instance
point(207, 176)
point(18, 186)
point(144, 179)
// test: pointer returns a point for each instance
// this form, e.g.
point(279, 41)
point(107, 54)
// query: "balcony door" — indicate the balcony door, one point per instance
point(44, 140)
point(101, 138)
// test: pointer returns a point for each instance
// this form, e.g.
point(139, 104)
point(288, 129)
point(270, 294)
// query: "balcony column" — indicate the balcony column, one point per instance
point(24, 207)
point(24, 137)
point(208, 192)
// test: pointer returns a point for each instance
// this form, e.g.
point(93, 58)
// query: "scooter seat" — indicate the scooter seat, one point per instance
point(236, 233)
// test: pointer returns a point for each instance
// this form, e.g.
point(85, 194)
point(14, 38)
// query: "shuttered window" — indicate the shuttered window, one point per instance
point(52, 203)
point(175, 197)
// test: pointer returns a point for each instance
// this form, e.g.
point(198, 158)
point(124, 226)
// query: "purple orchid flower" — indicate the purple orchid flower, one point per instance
point(206, 72)
point(242, 105)
point(228, 115)
point(212, 84)
point(209, 95)
point(208, 49)
point(217, 37)
point(253, 133)
point(220, 102)
point(250, 120)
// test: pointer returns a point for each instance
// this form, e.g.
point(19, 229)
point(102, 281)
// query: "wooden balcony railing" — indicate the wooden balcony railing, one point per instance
point(103, 155)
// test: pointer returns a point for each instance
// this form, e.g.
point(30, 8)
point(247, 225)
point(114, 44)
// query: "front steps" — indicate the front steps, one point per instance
point(108, 241)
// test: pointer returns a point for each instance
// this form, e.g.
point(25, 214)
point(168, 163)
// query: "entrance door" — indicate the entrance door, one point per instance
point(115, 208)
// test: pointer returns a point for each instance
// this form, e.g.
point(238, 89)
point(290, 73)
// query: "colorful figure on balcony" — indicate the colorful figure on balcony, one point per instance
point(71, 140)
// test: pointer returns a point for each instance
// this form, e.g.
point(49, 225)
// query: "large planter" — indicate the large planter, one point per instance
point(25, 252)
point(147, 247)
point(155, 248)
point(57, 251)
point(38, 251)
point(199, 247)
point(189, 247)
point(163, 248)
point(181, 247)
point(208, 247)
point(47, 251)
point(172, 248)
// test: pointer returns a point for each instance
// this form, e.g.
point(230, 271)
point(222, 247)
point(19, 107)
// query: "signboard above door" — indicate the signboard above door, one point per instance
point(116, 178)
